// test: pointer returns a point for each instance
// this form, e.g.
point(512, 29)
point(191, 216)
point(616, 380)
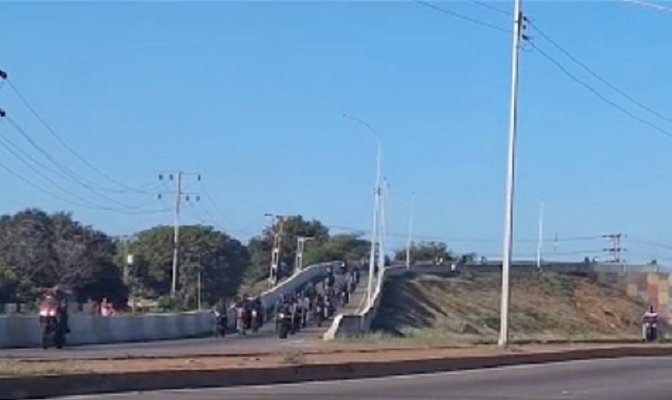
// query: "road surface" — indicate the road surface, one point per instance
point(264, 340)
point(624, 379)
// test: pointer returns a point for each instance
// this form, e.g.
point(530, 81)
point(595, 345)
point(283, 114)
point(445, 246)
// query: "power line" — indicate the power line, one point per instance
point(363, 231)
point(73, 177)
point(599, 77)
point(491, 7)
point(53, 132)
point(565, 70)
point(40, 189)
point(598, 94)
point(462, 16)
point(17, 152)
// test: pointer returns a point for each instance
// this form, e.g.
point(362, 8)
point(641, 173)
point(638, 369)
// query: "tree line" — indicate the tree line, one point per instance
point(39, 250)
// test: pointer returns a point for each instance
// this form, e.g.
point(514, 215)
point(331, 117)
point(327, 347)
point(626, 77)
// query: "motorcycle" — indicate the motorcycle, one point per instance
point(221, 323)
point(319, 314)
point(255, 321)
point(240, 322)
point(296, 320)
point(284, 322)
point(53, 330)
point(651, 329)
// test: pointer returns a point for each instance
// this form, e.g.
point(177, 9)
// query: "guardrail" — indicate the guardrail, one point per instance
point(24, 331)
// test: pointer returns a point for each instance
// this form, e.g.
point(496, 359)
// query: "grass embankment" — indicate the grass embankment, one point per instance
point(545, 307)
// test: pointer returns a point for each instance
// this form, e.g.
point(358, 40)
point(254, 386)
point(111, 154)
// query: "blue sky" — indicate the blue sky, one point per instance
point(251, 95)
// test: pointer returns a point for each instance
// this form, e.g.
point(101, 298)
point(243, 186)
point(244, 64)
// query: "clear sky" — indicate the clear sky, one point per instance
point(251, 95)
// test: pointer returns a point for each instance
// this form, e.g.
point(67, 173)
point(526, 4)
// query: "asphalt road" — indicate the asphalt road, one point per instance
point(624, 379)
point(266, 340)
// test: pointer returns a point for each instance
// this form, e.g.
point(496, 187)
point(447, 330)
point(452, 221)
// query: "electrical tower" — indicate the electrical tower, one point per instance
point(616, 249)
point(180, 195)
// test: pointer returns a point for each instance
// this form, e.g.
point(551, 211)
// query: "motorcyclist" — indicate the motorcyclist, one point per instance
point(650, 319)
point(240, 318)
point(259, 308)
point(344, 293)
point(220, 314)
point(281, 307)
point(61, 299)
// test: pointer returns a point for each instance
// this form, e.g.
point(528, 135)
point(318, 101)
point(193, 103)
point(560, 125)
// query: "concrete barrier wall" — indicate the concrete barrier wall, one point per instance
point(24, 331)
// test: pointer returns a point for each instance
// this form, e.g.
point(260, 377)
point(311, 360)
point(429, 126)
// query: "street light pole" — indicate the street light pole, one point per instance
point(376, 205)
point(510, 178)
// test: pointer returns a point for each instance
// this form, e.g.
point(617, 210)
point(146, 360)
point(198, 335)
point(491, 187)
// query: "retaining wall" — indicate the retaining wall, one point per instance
point(24, 331)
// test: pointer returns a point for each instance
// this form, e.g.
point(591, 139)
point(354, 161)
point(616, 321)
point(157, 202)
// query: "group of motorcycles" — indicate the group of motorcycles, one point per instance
point(295, 311)
point(292, 312)
point(249, 316)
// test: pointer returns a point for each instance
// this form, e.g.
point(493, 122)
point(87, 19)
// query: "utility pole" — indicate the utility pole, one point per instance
point(277, 226)
point(555, 242)
point(518, 28)
point(540, 240)
point(409, 242)
point(180, 195)
point(615, 249)
point(300, 247)
point(376, 201)
point(382, 229)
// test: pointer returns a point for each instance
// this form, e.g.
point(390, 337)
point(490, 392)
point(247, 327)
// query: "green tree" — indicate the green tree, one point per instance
point(338, 247)
point(425, 251)
point(260, 247)
point(38, 250)
point(220, 260)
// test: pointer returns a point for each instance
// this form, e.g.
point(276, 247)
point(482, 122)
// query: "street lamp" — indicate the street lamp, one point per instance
point(376, 201)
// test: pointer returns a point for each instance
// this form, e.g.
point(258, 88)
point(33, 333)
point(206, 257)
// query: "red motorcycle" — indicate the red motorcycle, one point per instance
point(52, 324)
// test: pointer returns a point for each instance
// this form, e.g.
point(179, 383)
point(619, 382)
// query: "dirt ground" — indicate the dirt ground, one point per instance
point(13, 368)
point(543, 305)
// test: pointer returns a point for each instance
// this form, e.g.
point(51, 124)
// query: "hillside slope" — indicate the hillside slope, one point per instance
point(543, 305)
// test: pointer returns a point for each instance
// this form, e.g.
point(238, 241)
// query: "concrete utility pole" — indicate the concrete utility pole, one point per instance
point(277, 226)
point(180, 195)
point(128, 258)
point(518, 28)
point(409, 242)
point(300, 247)
point(377, 191)
point(615, 248)
point(382, 229)
point(540, 240)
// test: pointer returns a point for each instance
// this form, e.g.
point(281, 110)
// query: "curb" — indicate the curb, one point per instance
point(70, 385)
point(311, 351)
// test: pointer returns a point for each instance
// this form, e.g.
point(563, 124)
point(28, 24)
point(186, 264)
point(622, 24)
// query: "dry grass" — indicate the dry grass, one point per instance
point(546, 307)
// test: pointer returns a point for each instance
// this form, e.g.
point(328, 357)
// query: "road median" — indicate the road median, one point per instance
point(292, 367)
